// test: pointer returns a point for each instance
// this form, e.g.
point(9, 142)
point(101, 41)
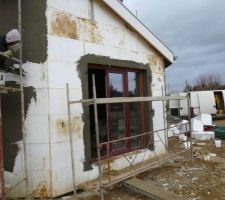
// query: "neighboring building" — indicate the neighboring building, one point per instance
point(67, 42)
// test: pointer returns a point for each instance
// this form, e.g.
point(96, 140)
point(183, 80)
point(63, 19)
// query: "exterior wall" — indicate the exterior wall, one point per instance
point(36, 103)
point(37, 130)
point(72, 34)
point(51, 57)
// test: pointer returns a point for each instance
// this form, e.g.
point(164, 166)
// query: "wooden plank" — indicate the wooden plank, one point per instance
point(11, 58)
point(149, 189)
point(4, 89)
point(145, 167)
point(130, 172)
point(128, 99)
point(2, 184)
point(84, 101)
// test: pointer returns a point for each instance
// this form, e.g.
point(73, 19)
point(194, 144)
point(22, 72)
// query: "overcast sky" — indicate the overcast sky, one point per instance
point(193, 29)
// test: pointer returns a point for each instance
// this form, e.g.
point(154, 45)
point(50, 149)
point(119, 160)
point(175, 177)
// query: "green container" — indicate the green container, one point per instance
point(219, 131)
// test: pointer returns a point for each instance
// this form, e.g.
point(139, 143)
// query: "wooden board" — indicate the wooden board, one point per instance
point(4, 89)
point(128, 99)
point(149, 189)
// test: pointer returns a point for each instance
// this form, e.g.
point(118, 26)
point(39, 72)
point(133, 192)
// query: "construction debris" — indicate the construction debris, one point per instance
point(178, 129)
point(149, 189)
point(217, 143)
point(202, 128)
point(202, 179)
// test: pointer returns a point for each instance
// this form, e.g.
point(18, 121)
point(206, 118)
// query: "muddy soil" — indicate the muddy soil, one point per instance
point(203, 178)
point(219, 122)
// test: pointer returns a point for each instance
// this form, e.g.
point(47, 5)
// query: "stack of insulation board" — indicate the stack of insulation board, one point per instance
point(197, 129)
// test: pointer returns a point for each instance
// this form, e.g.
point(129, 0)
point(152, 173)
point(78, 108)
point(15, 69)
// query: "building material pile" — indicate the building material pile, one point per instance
point(202, 128)
point(219, 131)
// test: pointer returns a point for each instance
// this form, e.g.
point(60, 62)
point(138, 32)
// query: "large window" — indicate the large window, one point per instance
point(119, 120)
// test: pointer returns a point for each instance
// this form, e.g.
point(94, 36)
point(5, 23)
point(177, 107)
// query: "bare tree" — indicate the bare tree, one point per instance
point(188, 87)
point(207, 82)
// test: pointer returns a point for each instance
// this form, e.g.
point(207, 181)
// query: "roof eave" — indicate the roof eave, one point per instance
point(134, 22)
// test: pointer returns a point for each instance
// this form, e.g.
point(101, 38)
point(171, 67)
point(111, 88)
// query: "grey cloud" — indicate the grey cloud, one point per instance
point(194, 30)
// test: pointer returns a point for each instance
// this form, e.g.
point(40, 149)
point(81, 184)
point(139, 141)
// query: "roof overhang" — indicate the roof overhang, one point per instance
point(137, 25)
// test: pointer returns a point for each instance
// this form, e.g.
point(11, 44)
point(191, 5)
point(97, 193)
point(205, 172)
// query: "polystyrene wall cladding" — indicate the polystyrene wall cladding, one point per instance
point(37, 131)
point(72, 34)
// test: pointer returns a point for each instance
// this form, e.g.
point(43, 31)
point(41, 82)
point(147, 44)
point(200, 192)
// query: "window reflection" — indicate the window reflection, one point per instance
point(117, 112)
point(135, 127)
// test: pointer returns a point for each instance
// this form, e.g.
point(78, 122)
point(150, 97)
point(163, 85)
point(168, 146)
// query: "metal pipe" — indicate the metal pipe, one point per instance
point(99, 145)
point(108, 161)
point(22, 101)
point(92, 14)
point(2, 182)
point(135, 136)
point(127, 99)
point(162, 141)
point(97, 139)
point(166, 103)
point(164, 120)
point(11, 58)
point(143, 168)
point(189, 117)
point(71, 140)
point(13, 187)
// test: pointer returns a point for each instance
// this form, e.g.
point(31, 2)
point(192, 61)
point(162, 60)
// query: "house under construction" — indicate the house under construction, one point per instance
point(85, 44)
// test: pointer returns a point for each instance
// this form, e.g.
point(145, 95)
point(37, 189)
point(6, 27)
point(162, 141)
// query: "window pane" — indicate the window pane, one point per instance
point(102, 111)
point(134, 110)
point(117, 112)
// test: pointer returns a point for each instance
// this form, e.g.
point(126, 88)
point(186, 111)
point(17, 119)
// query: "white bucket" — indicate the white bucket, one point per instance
point(182, 137)
point(2, 78)
point(218, 143)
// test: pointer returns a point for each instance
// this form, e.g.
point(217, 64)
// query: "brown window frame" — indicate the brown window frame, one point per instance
point(141, 79)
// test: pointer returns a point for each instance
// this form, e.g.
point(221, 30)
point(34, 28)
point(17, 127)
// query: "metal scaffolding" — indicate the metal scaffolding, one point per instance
point(109, 181)
point(22, 99)
point(5, 89)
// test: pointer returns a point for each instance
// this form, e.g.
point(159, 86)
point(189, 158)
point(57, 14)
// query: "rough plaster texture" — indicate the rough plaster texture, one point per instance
point(36, 102)
point(107, 36)
point(61, 34)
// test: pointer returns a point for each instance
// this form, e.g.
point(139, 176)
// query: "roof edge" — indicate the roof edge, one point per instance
point(120, 9)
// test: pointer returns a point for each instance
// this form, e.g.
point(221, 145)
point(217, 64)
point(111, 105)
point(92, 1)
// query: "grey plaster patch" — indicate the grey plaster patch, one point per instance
point(82, 70)
point(11, 119)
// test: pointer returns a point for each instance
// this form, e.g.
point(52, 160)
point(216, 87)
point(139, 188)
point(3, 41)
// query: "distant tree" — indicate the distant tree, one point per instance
point(188, 87)
point(207, 82)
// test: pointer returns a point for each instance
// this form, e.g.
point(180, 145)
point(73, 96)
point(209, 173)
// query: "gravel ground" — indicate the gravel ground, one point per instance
point(219, 122)
point(204, 179)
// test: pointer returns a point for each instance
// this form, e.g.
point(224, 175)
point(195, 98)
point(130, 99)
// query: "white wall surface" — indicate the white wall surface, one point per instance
point(72, 34)
point(37, 131)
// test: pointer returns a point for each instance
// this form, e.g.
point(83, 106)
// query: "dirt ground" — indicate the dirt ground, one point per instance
point(201, 179)
point(219, 122)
